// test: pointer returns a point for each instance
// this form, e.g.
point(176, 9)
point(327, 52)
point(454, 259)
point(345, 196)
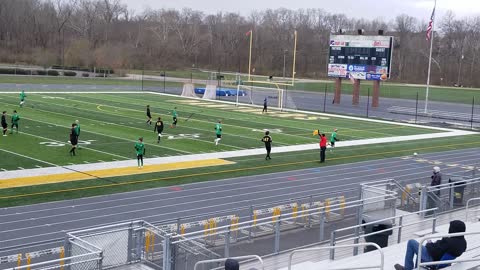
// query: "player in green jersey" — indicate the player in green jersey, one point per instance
point(140, 150)
point(77, 130)
point(333, 139)
point(218, 132)
point(22, 98)
point(15, 119)
point(175, 115)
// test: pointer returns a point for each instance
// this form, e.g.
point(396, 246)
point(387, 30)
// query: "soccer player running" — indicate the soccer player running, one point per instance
point(15, 119)
point(140, 150)
point(73, 139)
point(333, 138)
point(159, 128)
point(267, 139)
point(149, 116)
point(22, 98)
point(218, 131)
point(175, 115)
point(4, 123)
point(77, 130)
point(265, 109)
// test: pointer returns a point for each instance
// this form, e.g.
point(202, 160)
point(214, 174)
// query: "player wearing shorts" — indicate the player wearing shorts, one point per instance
point(4, 123)
point(73, 139)
point(333, 138)
point(22, 98)
point(267, 139)
point(159, 128)
point(15, 119)
point(218, 132)
point(149, 116)
point(140, 151)
point(175, 115)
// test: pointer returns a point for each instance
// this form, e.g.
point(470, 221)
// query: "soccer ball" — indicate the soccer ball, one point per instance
point(415, 154)
point(383, 77)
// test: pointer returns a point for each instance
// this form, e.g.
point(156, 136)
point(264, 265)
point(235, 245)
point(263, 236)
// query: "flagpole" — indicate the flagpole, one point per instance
point(250, 55)
point(430, 58)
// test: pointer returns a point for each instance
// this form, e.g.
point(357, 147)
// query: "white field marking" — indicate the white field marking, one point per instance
point(48, 139)
point(72, 163)
point(312, 113)
point(103, 123)
point(357, 167)
point(21, 168)
point(20, 155)
point(291, 120)
point(203, 121)
point(38, 166)
point(231, 201)
point(190, 127)
point(101, 160)
point(101, 134)
point(3, 169)
point(86, 162)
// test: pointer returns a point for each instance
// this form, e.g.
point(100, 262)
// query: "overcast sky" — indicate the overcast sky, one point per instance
point(385, 9)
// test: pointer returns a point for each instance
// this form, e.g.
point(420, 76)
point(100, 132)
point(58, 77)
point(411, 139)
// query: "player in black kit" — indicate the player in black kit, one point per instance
point(267, 139)
point(4, 123)
point(159, 128)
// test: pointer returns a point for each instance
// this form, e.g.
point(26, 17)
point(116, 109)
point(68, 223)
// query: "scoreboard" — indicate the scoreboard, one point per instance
point(360, 57)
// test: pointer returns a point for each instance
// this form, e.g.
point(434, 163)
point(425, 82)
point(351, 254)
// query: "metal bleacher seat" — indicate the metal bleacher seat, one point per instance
point(395, 254)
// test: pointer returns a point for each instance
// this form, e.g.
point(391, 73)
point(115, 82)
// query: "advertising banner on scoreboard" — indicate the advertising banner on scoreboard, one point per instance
point(357, 75)
point(337, 70)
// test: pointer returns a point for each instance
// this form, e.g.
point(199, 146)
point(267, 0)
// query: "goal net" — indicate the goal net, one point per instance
point(210, 91)
point(276, 97)
point(188, 90)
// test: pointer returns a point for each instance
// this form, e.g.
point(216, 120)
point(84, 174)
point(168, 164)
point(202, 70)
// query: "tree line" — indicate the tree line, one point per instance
point(106, 33)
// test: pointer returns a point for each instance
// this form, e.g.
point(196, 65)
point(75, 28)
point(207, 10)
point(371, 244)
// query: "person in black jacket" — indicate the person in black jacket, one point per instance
point(434, 251)
point(4, 123)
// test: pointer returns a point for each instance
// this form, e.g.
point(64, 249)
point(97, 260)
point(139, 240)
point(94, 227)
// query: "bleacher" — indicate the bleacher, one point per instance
point(395, 254)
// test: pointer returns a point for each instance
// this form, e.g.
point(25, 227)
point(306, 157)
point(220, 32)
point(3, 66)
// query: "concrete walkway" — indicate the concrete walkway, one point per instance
point(88, 168)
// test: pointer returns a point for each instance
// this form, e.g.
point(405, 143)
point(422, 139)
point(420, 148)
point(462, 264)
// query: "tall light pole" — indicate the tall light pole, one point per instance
point(460, 69)
point(284, 62)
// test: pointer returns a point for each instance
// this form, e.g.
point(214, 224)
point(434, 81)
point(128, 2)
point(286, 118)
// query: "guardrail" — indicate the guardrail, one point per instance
point(467, 207)
point(358, 235)
point(235, 258)
point(457, 260)
point(377, 247)
point(446, 196)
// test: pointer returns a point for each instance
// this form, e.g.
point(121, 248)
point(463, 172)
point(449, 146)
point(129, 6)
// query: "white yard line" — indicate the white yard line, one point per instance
point(226, 154)
point(20, 155)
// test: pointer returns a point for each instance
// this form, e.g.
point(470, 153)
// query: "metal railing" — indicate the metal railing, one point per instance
point(225, 233)
point(446, 196)
point(377, 247)
point(248, 257)
point(472, 258)
point(358, 235)
point(467, 207)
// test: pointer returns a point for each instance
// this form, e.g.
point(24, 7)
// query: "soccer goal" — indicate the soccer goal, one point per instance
point(188, 90)
point(276, 97)
point(210, 91)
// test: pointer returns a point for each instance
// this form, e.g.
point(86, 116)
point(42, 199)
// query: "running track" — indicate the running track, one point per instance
point(27, 224)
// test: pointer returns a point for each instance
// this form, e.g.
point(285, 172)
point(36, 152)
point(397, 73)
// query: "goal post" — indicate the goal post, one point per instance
point(188, 90)
point(255, 95)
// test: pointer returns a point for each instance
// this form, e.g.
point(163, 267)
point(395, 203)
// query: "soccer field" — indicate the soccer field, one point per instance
point(111, 123)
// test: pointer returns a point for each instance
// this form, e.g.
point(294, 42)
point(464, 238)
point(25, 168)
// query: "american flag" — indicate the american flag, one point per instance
point(430, 25)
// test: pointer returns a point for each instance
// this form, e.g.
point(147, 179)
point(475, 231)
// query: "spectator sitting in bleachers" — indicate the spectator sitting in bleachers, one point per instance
point(231, 264)
point(434, 251)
